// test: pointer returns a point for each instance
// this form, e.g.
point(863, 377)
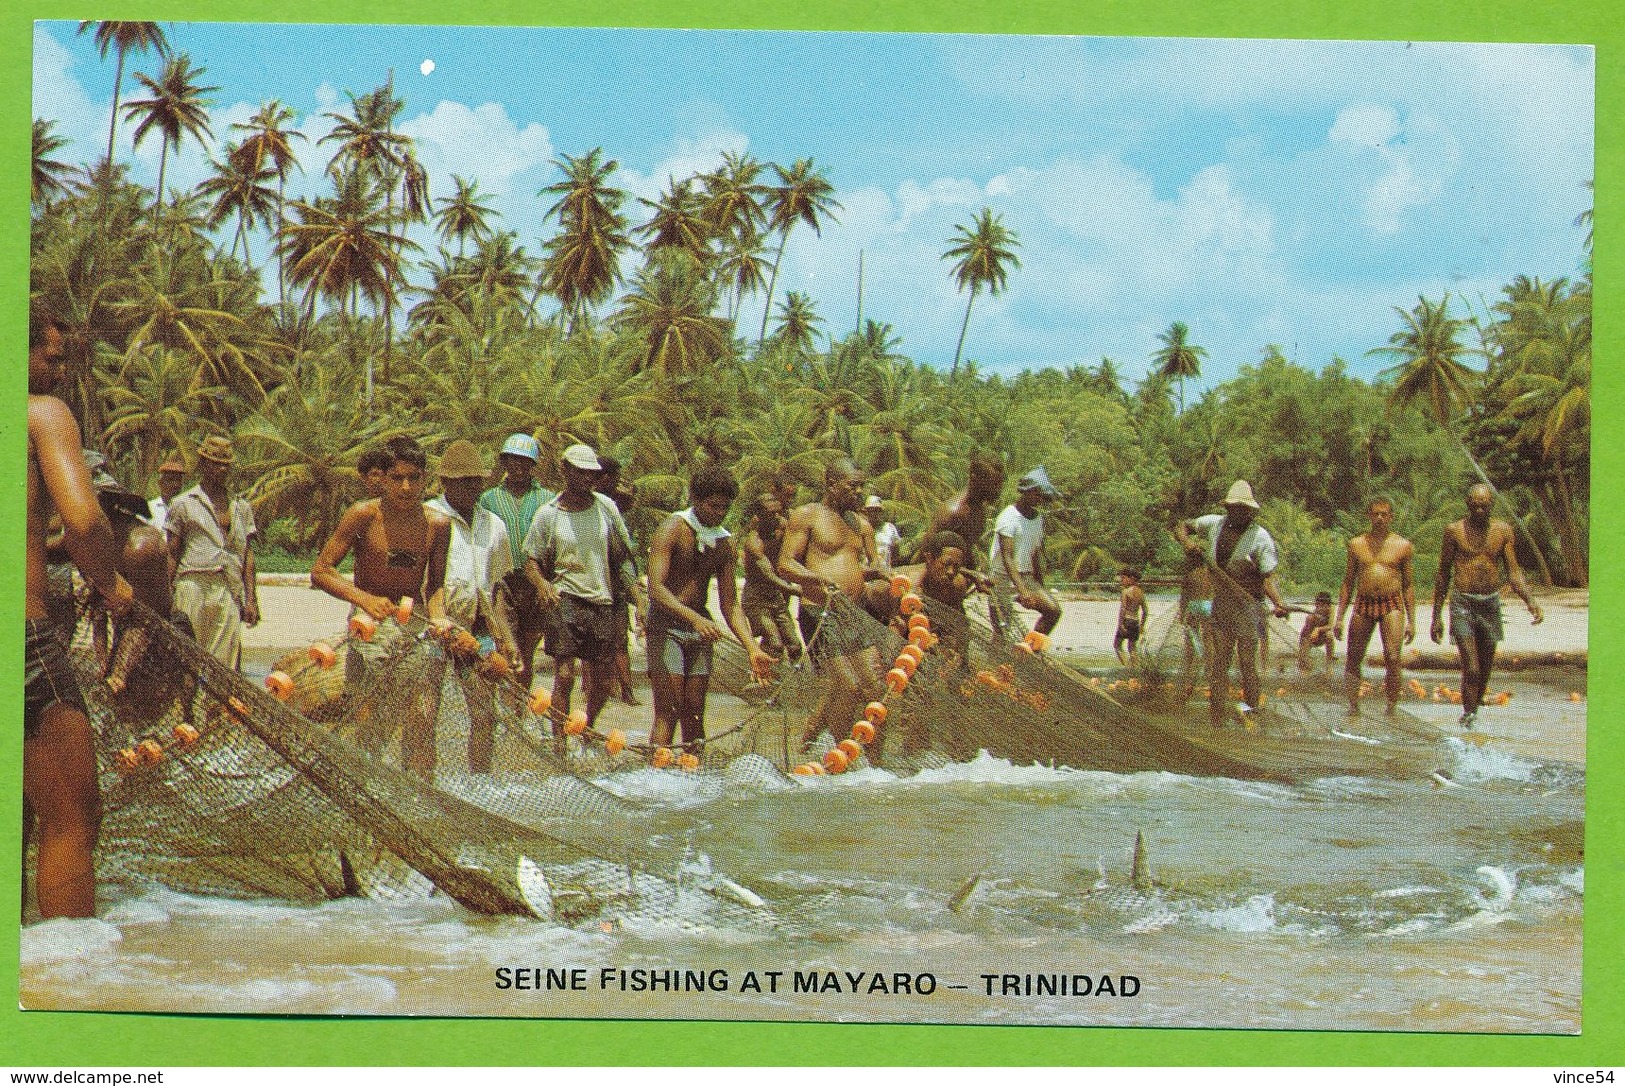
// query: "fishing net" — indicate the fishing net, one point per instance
point(213, 784)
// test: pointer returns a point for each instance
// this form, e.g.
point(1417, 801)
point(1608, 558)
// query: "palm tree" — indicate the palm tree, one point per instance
point(269, 143)
point(366, 136)
point(983, 254)
point(803, 194)
point(177, 108)
point(733, 196)
point(582, 264)
point(241, 190)
point(48, 179)
point(669, 309)
point(1179, 359)
point(678, 222)
point(797, 324)
point(462, 215)
point(124, 37)
point(740, 269)
point(1430, 367)
point(154, 405)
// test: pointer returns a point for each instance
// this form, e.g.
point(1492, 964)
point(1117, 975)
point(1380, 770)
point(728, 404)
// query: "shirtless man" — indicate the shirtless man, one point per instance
point(1378, 580)
point(830, 550)
point(1474, 549)
point(60, 799)
point(965, 514)
point(690, 549)
point(143, 559)
point(766, 594)
point(400, 549)
point(943, 581)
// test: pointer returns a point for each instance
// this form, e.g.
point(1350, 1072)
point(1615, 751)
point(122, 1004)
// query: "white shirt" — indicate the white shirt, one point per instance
point(1028, 535)
point(160, 512)
point(1254, 544)
point(579, 542)
point(887, 540)
point(478, 556)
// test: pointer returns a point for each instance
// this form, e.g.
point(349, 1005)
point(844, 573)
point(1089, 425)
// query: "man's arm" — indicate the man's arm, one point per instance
point(1515, 577)
point(324, 574)
point(539, 559)
point(756, 558)
point(733, 613)
point(1407, 583)
point(251, 585)
point(86, 533)
point(1441, 583)
point(434, 573)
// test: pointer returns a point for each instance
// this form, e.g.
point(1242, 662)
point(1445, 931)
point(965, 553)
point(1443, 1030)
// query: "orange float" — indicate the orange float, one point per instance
point(148, 752)
point(1021, 648)
point(1575, 695)
point(906, 664)
point(616, 742)
point(127, 761)
point(875, 713)
point(910, 604)
point(575, 723)
point(922, 637)
point(808, 769)
point(919, 622)
point(322, 655)
point(896, 680)
point(541, 700)
point(1036, 641)
point(835, 761)
point(914, 652)
point(863, 732)
point(851, 748)
point(280, 684)
point(496, 665)
point(186, 735)
point(687, 762)
point(363, 626)
point(403, 610)
point(662, 757)
point(900, 584)
point(237, 705)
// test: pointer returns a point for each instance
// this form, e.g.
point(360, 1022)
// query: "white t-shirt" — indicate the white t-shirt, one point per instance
point(1028, 535)
point(887, 536)
point(580, 545)
point(476, 559)
point(1254, 544)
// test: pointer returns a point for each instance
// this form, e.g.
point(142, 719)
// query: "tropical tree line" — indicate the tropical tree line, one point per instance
point(625, 328)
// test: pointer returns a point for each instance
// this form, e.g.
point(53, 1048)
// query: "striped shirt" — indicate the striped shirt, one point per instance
point(516, 514)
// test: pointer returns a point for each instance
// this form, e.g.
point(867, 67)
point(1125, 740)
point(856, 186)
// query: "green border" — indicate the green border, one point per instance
point(59, 1040)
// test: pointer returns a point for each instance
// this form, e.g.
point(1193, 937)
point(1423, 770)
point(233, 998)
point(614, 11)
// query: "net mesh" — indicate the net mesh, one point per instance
point(354, 769)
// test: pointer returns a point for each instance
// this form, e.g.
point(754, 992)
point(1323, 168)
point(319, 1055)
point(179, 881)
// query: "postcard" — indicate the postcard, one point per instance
point(709, 529)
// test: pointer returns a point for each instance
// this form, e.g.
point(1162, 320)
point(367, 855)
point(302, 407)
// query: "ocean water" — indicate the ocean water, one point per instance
point(977, 892)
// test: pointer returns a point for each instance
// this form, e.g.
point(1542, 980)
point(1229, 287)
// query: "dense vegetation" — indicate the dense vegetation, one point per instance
point(627, 328)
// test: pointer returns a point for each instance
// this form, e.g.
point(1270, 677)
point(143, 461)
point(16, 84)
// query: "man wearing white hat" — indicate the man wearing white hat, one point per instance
point(211, 548)
point(1243, 556)
point(578, 553)
point(1017, 557)
point(887, 537)
point(515, 501)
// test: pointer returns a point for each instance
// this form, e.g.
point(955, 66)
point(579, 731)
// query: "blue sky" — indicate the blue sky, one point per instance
point(1262, 192)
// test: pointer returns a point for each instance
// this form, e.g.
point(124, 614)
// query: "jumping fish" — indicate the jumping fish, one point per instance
point(533, 888)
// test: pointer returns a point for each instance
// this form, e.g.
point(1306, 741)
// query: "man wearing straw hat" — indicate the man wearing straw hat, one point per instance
point(211, 549)
point(1242, 556)
point(171, 481)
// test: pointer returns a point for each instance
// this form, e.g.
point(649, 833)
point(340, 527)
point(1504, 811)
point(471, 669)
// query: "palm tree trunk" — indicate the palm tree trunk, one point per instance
point(158, 204)
point(772, 281)
point(963, 328)
point(1560, 511)
point(112, 124)
point(281, 260)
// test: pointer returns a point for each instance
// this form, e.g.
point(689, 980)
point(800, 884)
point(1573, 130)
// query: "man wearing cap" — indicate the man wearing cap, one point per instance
point(211, 550)
point(477, 557)
point(578, 556)
point(887, 537)
point(171, 481)
point(515, 501)
point(1242, 557)
point(1017, 557)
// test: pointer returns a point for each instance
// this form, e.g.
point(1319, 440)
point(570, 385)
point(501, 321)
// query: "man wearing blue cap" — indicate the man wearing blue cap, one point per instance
point(1017, 557)
point(514, 501)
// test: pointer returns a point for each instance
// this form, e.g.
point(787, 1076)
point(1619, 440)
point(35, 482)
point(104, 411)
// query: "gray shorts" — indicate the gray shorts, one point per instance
point(675, 651)
point(1474, 616)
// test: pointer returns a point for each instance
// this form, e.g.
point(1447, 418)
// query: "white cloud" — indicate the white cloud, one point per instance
point(1364, 125)
point(481, 144)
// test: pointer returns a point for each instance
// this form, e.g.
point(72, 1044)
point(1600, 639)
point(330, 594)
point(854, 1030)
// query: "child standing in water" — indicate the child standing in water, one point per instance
point(1317, 632)
point(1132, 614)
